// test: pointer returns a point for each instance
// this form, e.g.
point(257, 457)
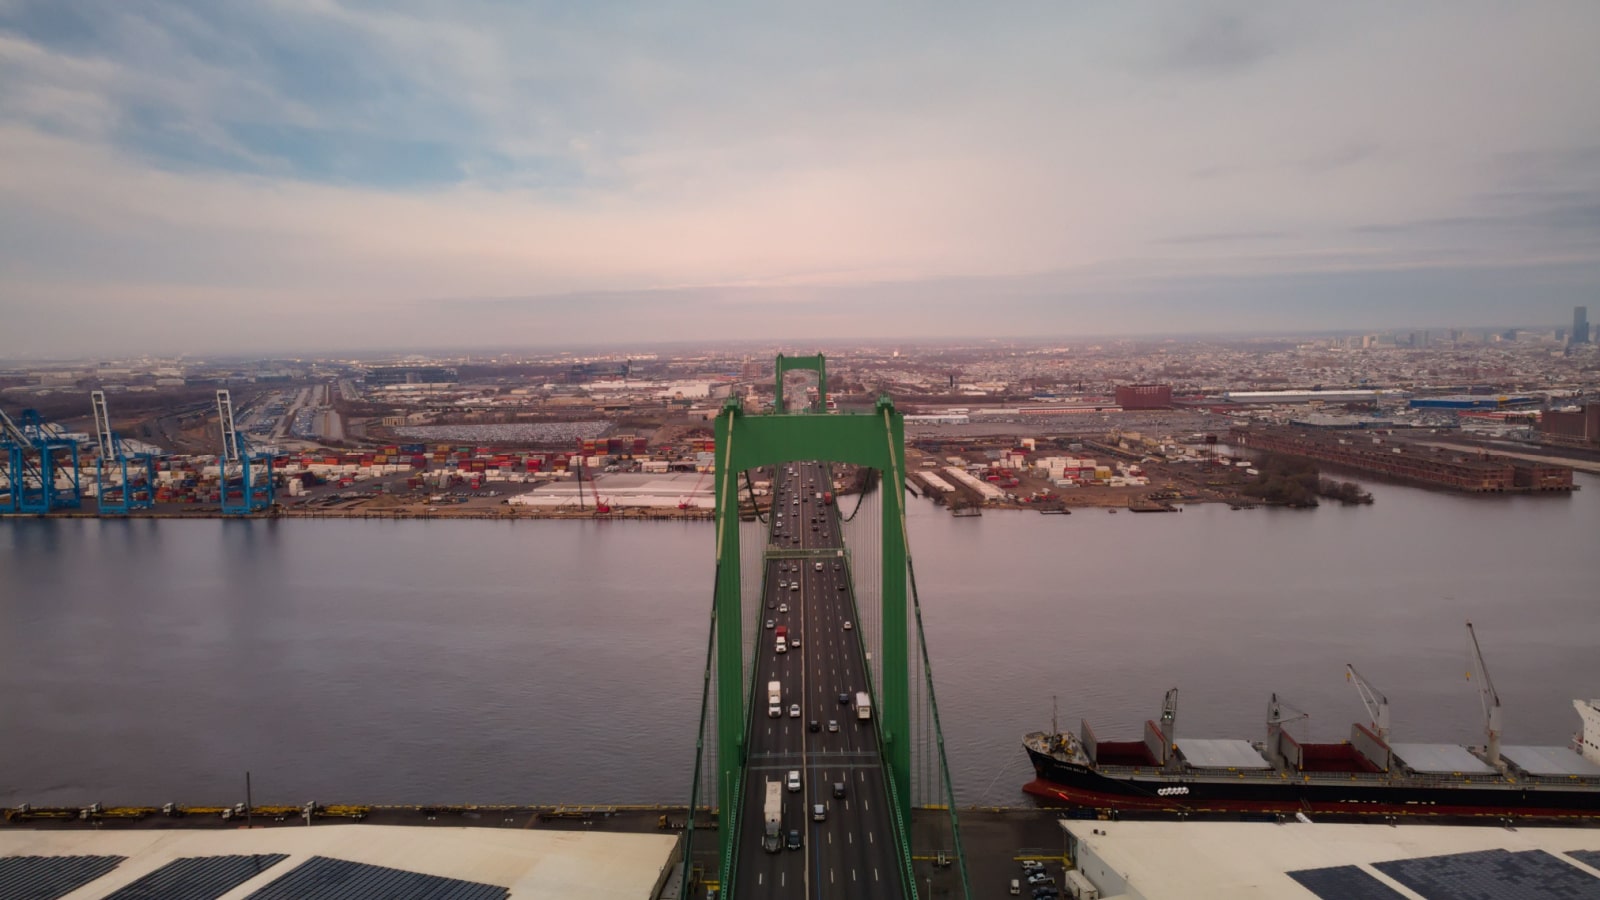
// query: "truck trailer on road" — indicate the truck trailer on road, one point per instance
point(771, 837)
point(863, 706)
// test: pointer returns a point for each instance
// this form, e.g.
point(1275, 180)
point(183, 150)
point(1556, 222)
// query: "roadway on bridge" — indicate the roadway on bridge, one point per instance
point(850, 853)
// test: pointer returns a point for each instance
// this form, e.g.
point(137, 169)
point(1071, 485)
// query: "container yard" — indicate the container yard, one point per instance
point(607, 475)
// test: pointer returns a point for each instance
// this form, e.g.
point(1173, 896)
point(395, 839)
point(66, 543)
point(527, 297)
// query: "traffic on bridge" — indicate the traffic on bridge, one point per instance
point(815, 820)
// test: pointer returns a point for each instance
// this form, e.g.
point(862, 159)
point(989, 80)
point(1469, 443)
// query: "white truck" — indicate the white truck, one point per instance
point(774, 699)
point(771, 837)
point(863, 706)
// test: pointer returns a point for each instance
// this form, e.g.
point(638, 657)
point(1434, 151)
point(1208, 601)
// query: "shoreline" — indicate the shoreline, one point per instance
point(501, 513)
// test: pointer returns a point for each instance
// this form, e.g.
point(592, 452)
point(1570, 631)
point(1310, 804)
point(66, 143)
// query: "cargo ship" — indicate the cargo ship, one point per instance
point(1366, 776)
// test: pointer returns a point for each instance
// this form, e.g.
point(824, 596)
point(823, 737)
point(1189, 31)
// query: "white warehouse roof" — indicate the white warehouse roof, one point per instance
point(1252, 861)
point(530, 864)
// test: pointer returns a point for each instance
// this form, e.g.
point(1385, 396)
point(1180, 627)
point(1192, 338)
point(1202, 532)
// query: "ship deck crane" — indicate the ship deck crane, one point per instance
point(31, 450)
point(1376, 703)
point(113, 453)
point(1490, 700)
point(1169, 730)
point(1279, 714)
point(256, 493)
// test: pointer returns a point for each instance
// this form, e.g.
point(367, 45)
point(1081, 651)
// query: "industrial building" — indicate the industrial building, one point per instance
point(1324, 861)
point(1311, 396)
point(1144, 396)
point(1473, 474)
point(1474, 401)
point(648, 490)
point(1574, 427)
point(398, 375)
point(346, 861)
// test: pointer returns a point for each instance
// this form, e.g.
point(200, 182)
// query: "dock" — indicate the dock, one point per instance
point(1474, 472)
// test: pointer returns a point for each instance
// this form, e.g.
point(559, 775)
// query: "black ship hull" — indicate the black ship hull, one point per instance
point(1190, 792)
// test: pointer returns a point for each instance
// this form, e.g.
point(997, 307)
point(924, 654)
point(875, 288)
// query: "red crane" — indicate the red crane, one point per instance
point(601, 507)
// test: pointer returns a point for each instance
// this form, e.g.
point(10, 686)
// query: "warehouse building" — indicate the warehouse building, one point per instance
point(1301, 860)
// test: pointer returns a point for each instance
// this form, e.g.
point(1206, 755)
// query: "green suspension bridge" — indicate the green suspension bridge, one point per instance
point(820, 754)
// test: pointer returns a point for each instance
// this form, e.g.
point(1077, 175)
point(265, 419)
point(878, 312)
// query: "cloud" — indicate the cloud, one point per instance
point(1215, 43)
point(245, 169)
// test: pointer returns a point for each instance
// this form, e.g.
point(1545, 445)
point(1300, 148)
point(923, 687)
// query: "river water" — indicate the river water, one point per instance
point(560, 662)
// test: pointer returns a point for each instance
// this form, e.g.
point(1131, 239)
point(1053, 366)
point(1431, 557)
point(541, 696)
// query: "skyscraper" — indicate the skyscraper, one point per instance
point(1580, 325)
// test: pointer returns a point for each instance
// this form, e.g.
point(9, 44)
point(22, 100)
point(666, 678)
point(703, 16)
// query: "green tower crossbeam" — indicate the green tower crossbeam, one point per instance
point(818, 364)
point(875, 440)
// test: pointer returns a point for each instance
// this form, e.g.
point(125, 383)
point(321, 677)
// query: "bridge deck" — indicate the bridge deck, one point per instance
point(852, 853)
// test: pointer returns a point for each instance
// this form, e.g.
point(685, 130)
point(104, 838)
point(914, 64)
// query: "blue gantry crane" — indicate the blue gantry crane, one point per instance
point(34, 454)
point(252, 471)
point(136, 489)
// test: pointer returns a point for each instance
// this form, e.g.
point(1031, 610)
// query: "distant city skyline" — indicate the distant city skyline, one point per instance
point(306, 175)
point(489, 348)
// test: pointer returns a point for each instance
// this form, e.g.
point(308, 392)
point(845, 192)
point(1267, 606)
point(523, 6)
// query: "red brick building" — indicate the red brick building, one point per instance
point(1581, 427)
point(1144, 396)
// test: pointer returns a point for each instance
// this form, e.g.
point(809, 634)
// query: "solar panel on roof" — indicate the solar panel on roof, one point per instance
point(49, 877)
point(1344, 883)
point(1497, 874)
point(322, 878)
point(198, 877)
point(1590, 858)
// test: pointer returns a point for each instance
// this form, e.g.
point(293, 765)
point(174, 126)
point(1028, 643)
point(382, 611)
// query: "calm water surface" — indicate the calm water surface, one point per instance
point(487, 662)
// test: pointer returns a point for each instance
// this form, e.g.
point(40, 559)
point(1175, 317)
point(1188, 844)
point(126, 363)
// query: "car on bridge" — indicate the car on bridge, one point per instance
point(794, 710)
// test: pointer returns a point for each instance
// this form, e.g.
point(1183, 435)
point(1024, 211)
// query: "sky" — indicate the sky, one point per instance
point(271, 175)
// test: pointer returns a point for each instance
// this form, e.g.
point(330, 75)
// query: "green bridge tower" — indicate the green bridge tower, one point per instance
point(875, 440)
